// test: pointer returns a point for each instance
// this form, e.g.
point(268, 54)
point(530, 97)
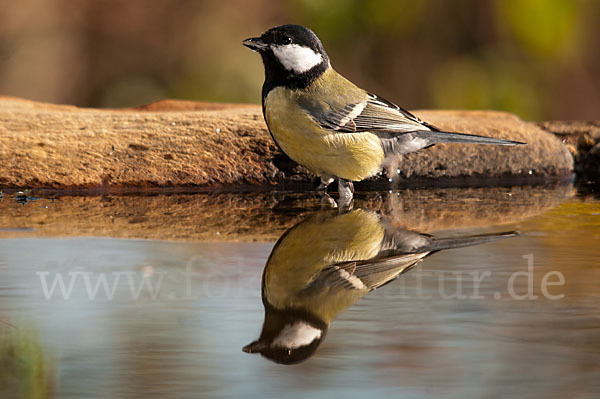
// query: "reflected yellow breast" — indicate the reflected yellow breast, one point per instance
point(311, 246)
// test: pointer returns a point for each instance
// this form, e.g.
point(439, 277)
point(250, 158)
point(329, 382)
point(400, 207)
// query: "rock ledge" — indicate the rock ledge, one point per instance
point(193, 144)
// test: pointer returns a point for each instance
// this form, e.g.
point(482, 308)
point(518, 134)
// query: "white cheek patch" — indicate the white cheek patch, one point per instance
point(297, 335)
point(296, 58)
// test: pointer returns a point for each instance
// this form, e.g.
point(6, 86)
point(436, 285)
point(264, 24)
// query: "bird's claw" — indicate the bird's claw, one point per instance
point(327, 201)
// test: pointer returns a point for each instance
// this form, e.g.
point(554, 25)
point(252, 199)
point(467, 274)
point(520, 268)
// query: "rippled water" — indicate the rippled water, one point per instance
point(183, 296)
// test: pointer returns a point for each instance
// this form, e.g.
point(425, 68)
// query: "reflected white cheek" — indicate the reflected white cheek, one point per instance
point(297, 335)
point(296, 58)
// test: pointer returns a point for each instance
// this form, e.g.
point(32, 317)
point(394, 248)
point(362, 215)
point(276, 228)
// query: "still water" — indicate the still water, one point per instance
point(156, 296)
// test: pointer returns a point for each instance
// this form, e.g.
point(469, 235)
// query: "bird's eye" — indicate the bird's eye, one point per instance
point(287, 40)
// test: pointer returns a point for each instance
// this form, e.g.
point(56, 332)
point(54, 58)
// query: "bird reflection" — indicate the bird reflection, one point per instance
point(327, 262)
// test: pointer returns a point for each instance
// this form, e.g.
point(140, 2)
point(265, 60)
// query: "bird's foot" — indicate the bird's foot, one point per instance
point(322, 188)
point(327, 201)
point(325, 181)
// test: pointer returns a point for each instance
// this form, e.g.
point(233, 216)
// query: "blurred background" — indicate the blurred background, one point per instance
point(537, 58)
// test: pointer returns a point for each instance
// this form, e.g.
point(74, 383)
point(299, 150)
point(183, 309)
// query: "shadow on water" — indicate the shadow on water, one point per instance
point(327, 262)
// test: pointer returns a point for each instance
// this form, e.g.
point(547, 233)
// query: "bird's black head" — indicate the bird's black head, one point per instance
point(292, 54)
point(288, 336)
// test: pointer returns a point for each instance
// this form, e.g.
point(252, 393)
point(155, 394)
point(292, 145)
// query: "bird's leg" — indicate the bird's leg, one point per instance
point(326, 200)
point(325, 181)
point(346, 191)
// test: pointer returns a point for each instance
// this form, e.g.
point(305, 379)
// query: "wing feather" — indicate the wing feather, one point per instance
point(373, 114)
point(367, 274)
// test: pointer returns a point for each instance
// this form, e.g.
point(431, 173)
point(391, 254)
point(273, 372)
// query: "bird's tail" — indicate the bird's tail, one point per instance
point(438, 244)
point(436, 137)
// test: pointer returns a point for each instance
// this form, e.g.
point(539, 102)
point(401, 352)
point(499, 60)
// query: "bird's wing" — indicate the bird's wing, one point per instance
point(371, 115)
point(400, 131)
point(367, 274)
point(399, 253)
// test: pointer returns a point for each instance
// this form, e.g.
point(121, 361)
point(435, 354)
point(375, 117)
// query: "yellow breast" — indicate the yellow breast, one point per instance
point(351, 156)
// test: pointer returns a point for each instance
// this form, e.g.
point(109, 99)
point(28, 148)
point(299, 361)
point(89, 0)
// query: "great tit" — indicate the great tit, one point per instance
point(329, 125)
point(327, 262)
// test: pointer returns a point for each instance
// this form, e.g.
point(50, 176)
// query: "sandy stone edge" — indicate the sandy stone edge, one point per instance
point(174, 143)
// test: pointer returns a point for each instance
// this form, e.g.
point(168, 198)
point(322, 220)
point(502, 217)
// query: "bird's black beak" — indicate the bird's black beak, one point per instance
point(254, 347)
point(255, 44)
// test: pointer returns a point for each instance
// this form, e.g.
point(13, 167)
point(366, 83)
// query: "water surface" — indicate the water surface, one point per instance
point(183, 297)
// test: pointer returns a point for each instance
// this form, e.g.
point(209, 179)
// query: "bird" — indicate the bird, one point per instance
point(329, 125)
point(327, 262)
